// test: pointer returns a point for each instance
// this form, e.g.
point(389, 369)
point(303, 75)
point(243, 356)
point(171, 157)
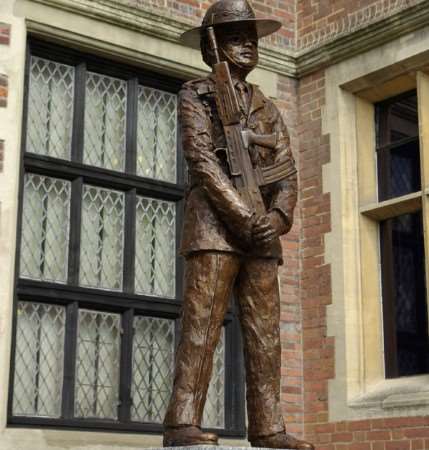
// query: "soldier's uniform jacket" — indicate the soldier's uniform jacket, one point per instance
point(216, 217)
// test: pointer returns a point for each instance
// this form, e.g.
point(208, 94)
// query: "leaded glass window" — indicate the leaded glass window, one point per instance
point(153, 364)
point(156, 134)
point(45, 228)
point(39, 359)
point(97, 368)
point(402, 239)
point(99, 278)
point(50, 108)
point(152, 374)
point(214, 411)
point(155, 247)
point(102, 240)
point(105, 121)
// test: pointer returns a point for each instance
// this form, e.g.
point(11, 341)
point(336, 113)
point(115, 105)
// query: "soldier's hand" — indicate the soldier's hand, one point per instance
point(268, 227)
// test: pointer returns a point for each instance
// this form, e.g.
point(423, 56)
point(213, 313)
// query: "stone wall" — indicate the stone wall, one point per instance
point(4, 40)
point(4, 33)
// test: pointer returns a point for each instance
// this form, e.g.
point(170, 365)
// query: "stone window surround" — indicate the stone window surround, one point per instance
point(360, 390)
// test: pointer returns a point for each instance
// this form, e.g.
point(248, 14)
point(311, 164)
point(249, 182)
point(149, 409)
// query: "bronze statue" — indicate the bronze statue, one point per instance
point(241, 196)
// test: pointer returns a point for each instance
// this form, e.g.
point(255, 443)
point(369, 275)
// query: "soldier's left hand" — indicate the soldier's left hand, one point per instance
point(268, 227)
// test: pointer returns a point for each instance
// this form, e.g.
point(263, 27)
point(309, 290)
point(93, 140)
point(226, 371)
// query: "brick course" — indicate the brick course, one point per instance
point(306, 23)
point(409, 433)
point(4, 89)
point(319, 21)
point(192, 11)
point(4, 33)
point(292, 369)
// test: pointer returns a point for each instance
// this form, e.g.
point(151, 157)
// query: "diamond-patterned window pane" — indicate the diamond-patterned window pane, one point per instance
point(50, 108)
point(97, 367)
point(156, 134)
point(105, 121)
point(155, 268)
point(45, 228)
point(153, 361)
point(214, 411)
point(102, 238)
point(39, 360)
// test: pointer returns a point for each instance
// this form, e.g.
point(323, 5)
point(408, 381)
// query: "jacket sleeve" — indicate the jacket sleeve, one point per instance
point(285, 191)
point(204, 166)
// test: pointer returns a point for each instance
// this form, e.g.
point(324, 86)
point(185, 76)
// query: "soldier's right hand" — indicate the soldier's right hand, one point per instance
point(268, 227)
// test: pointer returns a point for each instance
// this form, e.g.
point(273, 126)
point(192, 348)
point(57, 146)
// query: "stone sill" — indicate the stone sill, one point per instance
point(399, 393)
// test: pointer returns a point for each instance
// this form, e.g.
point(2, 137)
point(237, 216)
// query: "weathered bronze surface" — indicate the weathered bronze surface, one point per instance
point(241, 196)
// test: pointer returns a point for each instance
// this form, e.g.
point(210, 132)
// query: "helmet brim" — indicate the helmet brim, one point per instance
point(264, 27)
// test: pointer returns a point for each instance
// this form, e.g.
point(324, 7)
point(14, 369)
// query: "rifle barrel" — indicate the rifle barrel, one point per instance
point(213, 43)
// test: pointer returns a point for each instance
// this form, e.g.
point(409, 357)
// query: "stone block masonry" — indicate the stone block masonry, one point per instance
point(1, 154)
point(4, 85)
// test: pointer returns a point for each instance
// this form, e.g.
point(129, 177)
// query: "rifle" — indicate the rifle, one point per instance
point(246, 179)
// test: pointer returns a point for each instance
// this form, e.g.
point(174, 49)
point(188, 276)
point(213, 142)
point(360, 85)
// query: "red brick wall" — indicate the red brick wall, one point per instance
point(305, 22)
point(315, 282)
point(4, 33)
point(410, 433)
point(192, 11)
point(292, 370)
point(318, 21)
point(3, 91)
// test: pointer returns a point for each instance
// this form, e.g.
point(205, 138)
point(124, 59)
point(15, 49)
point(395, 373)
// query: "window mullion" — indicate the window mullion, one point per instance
point(75, 231)
point(423, 113)
point(70, 361)
point(129, 241)
point(131, 127)
point(79, 113)
point(124, 413)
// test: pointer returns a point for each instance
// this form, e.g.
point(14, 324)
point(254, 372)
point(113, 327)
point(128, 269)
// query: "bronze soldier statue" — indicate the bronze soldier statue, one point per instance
point(241, 196)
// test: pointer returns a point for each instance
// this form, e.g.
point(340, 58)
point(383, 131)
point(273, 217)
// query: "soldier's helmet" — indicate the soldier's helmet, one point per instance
point(225, 13)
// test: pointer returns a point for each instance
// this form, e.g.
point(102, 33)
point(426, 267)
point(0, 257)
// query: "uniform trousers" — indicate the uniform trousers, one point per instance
point(210, 278)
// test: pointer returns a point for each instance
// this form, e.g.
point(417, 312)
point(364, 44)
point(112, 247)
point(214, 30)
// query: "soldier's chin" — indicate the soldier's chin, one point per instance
point(248, 64)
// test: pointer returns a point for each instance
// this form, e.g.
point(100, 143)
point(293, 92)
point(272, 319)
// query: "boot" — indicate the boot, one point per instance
point(187, 435)
point(281, 440)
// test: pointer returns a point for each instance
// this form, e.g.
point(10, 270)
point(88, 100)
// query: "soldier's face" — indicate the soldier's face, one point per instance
point(241, 46)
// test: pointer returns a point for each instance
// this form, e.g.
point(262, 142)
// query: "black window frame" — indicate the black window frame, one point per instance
point(126, 303)
point(388, 285)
